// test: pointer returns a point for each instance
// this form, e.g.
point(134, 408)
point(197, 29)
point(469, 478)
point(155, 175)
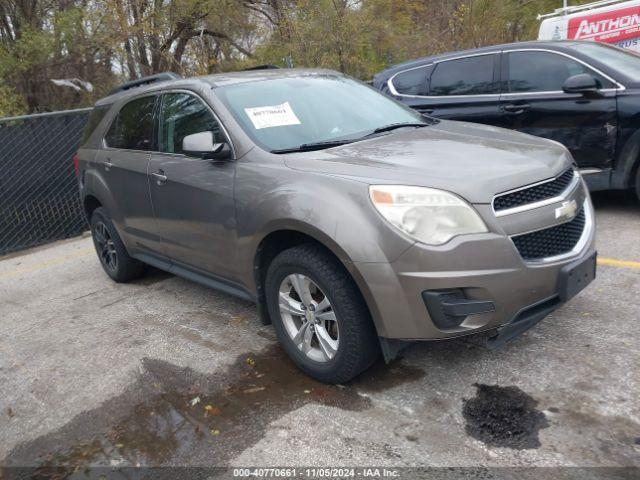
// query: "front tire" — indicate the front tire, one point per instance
point(112, 253)
point(319, 315)
point(638, 182)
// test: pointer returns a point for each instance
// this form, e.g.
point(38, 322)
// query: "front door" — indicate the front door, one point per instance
point(193, 197)
point(533, 102)
point(463, 89)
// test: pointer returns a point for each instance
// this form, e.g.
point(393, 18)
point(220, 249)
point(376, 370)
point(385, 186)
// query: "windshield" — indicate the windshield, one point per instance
point(624, 61)
point(285, 113)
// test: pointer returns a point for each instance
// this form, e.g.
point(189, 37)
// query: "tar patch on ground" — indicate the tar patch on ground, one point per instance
point(174, 415)
point(503, 417)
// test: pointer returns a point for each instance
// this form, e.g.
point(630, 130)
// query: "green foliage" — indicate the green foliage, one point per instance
point(11, 104)
point(108, 41)
point(363, 37)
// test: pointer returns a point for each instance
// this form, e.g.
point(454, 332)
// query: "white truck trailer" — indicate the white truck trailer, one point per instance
point(609, 21)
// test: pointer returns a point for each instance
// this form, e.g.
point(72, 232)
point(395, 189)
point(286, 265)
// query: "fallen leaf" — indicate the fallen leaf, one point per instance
point(194, 401)
point(251, 361)
point(119, 445)
point(211, 410)
point(10, 412)
point(239, 319)
point(307, 391)
point(253, 389)
point(215, 432)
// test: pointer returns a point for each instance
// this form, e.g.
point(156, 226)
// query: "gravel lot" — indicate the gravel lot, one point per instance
point(97, 373)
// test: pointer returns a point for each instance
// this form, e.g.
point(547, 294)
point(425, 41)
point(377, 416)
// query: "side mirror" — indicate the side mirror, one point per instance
point(201, 145)
point(582, 83)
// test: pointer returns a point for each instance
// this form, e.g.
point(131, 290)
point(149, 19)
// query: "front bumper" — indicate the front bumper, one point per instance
point(485, 267)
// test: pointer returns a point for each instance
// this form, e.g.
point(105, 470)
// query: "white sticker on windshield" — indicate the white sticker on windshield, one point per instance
point(272, 116)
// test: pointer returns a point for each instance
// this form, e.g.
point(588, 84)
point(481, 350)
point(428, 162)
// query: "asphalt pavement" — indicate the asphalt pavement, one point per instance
point(166, 372)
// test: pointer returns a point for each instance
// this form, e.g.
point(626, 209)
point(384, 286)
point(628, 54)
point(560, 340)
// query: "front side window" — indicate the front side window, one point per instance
point(184, 114)
point(132, 129)
point(411, 82)
point(464, 76)
point(283, 113)
point(544, 72)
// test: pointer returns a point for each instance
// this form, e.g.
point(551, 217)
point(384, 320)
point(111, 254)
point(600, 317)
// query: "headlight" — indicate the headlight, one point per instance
point(430, 216)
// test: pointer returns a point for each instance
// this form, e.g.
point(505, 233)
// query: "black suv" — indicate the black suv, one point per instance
point(584, 95)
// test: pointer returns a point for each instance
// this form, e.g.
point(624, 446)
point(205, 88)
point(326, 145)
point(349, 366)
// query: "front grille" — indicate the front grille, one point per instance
point(543, 191)
point(551, 241)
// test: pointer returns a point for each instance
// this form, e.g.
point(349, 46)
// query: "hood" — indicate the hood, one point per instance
point(473, 161)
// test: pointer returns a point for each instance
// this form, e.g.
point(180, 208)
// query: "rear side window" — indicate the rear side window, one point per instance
point(412, 82)
point(96, 116)
point(182, 115)
point(544, 72)
point(132, 129)
point(465, 76)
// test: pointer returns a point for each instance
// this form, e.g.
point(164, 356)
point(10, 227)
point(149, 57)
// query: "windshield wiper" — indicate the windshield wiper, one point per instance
point(309, 147)
point(395, 126)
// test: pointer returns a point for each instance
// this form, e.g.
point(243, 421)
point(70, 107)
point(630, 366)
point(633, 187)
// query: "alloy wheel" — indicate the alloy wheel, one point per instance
point(308, 317)
point(106, 247)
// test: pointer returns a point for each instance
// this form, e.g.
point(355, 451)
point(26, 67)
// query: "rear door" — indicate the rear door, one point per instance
point(533, 101)
point(123, 164)
point(193, 197)
point(466, 89)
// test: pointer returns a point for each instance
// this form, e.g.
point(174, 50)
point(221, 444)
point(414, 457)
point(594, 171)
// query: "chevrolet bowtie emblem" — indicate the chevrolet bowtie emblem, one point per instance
point(567, 210)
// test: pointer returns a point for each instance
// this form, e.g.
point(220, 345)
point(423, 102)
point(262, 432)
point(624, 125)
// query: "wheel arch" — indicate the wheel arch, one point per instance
point(285, 236)
point(89, 204)
point(628, 163)
point(96, 193)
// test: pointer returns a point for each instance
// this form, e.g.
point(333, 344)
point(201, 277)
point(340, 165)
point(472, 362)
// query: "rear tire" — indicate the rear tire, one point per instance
point(638, 182)
point(112, 253)
point(336, 350)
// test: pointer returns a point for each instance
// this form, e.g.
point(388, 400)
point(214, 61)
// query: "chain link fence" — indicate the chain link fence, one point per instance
point(39, 199)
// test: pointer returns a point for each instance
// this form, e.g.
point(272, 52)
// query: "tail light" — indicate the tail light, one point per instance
point(76, 163)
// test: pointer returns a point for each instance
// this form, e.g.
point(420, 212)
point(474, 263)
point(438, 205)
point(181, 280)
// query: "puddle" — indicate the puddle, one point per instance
point(503, 417)
point(174, 416)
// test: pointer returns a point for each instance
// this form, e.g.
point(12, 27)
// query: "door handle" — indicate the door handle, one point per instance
point(516, 109)
point(107, 164)
point(160, 177)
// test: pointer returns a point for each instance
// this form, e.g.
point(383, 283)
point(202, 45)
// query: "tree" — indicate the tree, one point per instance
point(41, 41)
point(156, 35)
point(91, 45)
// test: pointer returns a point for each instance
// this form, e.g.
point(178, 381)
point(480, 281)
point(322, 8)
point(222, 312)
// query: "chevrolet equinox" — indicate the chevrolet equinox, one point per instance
point(354, 223)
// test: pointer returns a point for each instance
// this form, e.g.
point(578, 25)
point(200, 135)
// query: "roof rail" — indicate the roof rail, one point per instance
point(261, 67)
point(159, 77)
point(577, 8)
